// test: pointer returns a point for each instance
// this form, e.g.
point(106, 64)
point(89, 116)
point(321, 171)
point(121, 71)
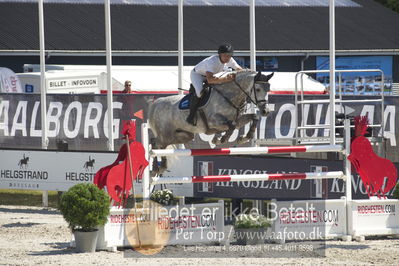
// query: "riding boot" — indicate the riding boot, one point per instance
point(194, 104)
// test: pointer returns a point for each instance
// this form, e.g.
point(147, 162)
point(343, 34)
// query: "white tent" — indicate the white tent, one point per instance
point(164, 79)
point(284, 83)
point(150, 79)
point(144, 78)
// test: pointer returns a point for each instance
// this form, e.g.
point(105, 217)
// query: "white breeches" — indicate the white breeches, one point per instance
point(197, 80)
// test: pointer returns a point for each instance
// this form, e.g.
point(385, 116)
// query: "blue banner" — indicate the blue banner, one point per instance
point(358, 83)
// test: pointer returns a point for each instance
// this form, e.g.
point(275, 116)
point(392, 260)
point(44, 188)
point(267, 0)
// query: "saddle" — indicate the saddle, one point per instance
point(206, 93)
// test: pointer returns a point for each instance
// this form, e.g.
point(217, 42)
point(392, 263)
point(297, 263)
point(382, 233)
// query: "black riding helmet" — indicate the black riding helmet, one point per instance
point(226, 49)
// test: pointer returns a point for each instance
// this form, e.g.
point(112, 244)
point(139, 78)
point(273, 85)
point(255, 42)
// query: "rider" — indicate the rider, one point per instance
point(206, 70)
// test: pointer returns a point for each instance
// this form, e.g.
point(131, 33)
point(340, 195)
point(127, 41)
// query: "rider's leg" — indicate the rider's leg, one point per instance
point(194, 103)
point(196, 80)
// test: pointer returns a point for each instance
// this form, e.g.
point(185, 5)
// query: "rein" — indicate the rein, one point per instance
point(248, 95)
point(238, 109)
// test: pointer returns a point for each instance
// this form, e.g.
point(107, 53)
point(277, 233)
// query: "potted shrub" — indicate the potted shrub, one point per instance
point(85, 207)
point(251, 229)
point(164, 197)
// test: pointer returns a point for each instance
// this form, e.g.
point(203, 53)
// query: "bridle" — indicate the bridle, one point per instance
point(253, 90)
point(248, 98)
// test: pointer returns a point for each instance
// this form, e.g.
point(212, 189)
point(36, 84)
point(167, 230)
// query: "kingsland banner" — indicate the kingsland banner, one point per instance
point(276, 189)
point(82, 121)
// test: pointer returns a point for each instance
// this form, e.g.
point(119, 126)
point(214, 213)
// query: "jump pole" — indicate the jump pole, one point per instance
point(254, 177)
point(247, 150)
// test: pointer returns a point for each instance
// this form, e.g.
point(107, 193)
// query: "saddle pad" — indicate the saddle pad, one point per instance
point(185, 102)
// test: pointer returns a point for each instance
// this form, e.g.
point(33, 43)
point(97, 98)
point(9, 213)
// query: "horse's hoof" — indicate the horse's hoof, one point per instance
point(249, 137)
point(161, 170)
point(223, 139)
point(216, 141)
point(242, 140)
point(265, 113)
point(154, 173)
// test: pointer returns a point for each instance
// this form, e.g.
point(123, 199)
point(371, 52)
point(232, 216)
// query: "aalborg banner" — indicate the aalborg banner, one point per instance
point(82, 121)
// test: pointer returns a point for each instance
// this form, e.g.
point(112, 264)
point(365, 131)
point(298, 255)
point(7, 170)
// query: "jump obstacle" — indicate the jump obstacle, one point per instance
point(148, 181)
point(352, 224)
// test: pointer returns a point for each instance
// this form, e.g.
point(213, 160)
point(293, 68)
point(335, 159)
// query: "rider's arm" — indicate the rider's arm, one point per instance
point(217, 80)
point(234, 65)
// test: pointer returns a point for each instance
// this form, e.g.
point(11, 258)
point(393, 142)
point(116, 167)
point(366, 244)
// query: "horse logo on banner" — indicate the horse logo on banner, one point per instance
point(89, 164)
point(23, 161)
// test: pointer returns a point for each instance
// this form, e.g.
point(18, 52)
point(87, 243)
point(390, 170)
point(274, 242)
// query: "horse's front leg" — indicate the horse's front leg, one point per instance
point(158, 168)
point(229, 132)
point(164, 165)
point(252, 128)
point(242, 121)
point(222, 124)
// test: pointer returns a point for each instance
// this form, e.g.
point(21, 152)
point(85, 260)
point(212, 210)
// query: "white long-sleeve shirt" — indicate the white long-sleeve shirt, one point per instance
point(213, 64)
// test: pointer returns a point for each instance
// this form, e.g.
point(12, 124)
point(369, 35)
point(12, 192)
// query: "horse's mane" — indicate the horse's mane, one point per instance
point(242, 72)
point(237, 72)
point(230, 86)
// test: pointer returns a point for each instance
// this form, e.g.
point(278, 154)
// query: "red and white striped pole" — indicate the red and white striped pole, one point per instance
point(247, 150)
point(255, 177)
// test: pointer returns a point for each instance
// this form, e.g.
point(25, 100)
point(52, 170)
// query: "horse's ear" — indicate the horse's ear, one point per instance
point(269, 76)
point(263, 78)
point(258, 76)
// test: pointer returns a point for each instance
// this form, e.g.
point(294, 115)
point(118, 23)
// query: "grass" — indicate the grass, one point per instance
point(27, 197)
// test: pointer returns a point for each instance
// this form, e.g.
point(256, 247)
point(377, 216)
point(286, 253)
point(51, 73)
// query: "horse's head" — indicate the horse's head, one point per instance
point(261, 89)
point(256, 86)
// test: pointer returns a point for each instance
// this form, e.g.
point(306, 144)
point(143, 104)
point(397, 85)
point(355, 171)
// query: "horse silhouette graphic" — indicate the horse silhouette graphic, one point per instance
point(89, 164)
point(23, 161)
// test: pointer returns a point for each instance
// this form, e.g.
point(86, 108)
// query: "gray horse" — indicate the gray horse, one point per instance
point(222, 113)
